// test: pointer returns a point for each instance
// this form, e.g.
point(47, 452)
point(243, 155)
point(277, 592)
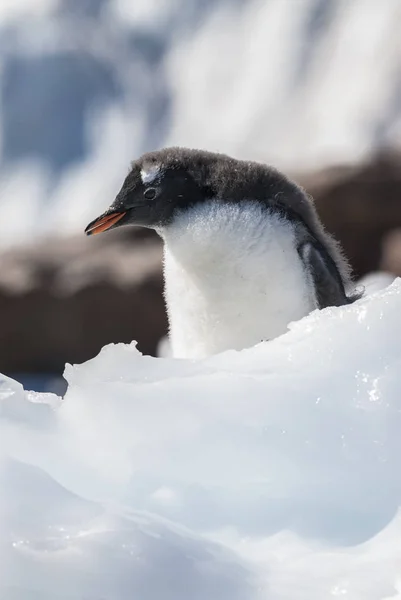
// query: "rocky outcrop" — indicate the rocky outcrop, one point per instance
point(391, 252)
point(360, 205)
point(62, 300)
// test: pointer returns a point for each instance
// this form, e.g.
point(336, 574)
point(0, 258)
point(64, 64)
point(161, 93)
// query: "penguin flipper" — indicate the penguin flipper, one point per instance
point(328, 284)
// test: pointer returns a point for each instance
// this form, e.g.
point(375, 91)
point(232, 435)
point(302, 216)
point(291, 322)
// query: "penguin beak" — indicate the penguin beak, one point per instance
point(104, 222)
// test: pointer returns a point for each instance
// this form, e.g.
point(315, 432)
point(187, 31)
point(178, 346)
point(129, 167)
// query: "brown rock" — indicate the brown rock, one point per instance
point(391, 254)
point(360, 205)
point(63, 299)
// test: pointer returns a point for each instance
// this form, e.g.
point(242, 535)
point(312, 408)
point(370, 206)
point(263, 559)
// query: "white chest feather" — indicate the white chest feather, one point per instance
point(232, 278)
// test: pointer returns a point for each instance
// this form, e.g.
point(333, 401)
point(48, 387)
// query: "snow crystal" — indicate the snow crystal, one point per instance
point(271, 473)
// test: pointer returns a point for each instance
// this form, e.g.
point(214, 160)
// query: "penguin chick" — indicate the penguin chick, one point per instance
point(244, 250)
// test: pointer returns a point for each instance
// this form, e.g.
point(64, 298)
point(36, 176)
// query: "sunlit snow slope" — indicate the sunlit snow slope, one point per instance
point(88, 85)
point(271, 473)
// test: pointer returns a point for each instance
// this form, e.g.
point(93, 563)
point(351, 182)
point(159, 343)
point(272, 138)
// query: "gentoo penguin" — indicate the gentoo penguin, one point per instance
point(244, 250)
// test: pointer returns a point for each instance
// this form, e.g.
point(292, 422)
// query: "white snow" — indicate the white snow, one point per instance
point(272, 473)
point(283, 83)
point(375, 281)
point(299, 84)
point(10, 9)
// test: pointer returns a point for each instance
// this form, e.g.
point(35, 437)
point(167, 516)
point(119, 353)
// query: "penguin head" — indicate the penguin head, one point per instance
point(164, 183)
point(158, 185)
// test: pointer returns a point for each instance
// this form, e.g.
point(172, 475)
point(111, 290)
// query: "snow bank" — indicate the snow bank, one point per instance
point(269, 473)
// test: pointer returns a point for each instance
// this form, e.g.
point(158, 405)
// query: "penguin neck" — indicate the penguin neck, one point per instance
point(233, 278)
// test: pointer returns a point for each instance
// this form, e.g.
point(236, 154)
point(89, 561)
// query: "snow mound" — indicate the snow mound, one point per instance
point(271, 473)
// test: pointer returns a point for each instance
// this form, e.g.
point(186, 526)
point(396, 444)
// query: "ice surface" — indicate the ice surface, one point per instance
point(271, 473)
point(375, 281)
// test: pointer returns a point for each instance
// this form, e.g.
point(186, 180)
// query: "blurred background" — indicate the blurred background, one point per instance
point(311, 86)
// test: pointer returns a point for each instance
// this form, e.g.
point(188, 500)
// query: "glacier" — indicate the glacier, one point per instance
point(271, 473)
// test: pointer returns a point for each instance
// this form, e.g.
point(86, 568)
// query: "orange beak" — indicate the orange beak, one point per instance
point(104, 223)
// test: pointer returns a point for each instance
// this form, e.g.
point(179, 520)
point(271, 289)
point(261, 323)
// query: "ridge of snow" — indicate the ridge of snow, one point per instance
point(270, 473)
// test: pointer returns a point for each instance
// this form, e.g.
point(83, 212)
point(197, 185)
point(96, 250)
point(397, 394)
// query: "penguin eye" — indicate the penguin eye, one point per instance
point(149, 193)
